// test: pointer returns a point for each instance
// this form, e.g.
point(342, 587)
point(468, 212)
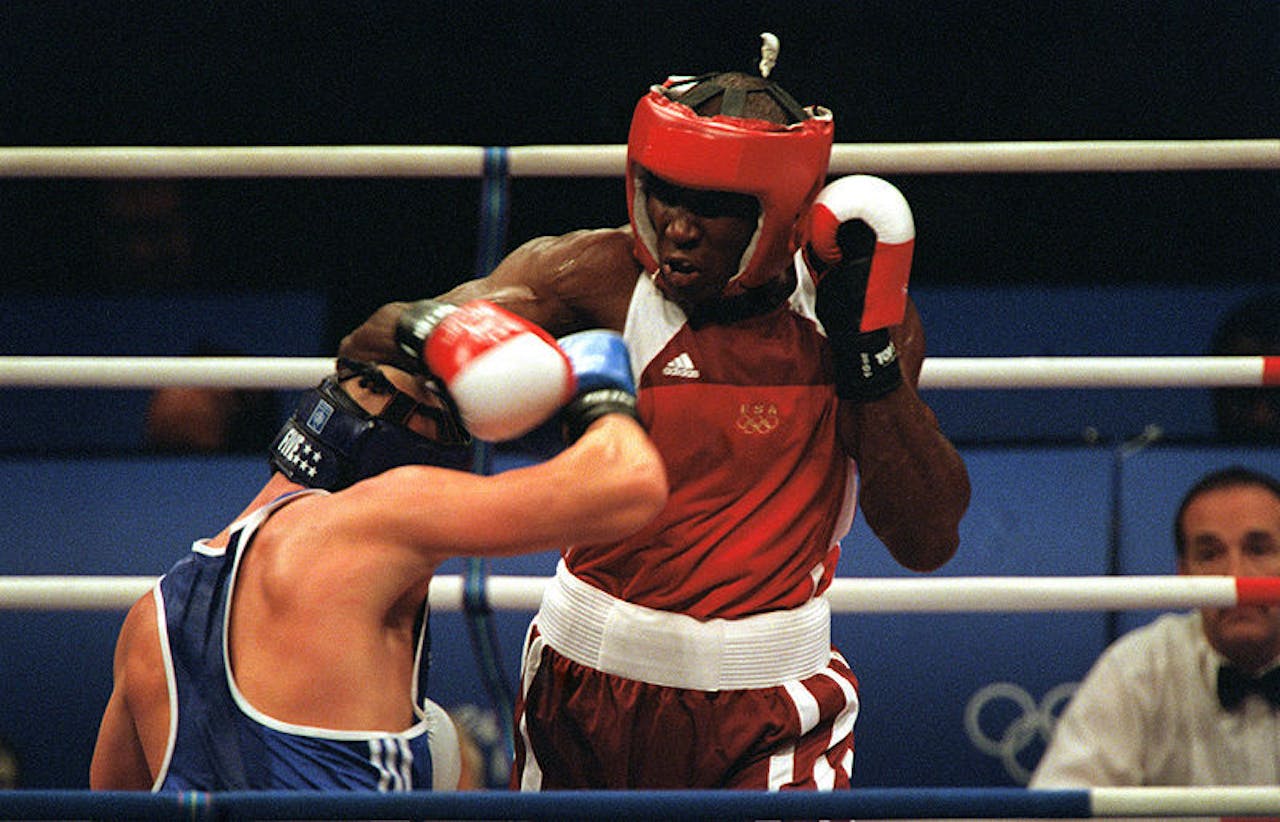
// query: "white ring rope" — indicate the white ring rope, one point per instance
point(938, 372)
point(1221, 801)
point(155, 372)
point(846, 594)
point(609, 160)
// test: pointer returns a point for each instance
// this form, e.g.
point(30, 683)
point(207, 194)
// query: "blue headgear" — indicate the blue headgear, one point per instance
point(332, 442)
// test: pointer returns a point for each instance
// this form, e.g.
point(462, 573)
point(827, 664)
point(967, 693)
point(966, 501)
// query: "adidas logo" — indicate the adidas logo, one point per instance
point(681, 366)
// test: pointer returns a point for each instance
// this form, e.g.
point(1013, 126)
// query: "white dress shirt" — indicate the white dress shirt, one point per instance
point(1147, 713)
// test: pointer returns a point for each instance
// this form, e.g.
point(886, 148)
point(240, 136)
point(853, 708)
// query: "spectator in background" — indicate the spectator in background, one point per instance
point(142, 235)
point(10, 770)
point(193, 420)
point(1190, 699)
point(1248, 415)
point(143, 244)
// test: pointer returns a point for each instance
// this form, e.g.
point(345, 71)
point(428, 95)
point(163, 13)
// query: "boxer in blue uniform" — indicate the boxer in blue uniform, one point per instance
point(289, 651)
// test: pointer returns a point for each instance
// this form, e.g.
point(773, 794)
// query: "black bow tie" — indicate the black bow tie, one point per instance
point(1234, 685)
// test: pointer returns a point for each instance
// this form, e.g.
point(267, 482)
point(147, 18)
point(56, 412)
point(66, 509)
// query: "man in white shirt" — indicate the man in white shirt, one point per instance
point(1191, 699)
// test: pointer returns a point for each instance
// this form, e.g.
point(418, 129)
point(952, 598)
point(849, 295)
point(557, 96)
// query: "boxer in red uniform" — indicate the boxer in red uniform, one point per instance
point(770, 338)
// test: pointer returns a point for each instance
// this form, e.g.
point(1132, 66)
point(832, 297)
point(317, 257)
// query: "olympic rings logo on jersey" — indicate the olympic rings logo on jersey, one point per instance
point(758, 418)
point(1025, 725)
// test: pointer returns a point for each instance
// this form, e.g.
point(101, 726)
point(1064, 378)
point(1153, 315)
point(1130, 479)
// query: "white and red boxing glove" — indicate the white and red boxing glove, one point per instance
point(506, 375)
point(842, 214)
point(859, 243)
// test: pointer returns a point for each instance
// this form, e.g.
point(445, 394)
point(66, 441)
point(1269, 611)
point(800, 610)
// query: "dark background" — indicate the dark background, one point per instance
point(293, 73)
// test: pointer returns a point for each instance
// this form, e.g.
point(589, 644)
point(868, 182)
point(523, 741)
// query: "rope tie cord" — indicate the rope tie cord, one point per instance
point(494, 214)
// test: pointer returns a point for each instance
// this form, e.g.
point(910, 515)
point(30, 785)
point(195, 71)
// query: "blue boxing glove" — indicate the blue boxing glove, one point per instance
point(601, 366)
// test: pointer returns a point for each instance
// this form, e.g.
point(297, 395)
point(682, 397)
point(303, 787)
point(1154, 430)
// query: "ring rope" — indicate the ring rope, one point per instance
point(863, 803)
point(846, 594)
point(1029, 156)
point(937, 373)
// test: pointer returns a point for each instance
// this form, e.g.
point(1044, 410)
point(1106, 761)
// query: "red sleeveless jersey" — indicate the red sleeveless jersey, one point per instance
point(761, 492)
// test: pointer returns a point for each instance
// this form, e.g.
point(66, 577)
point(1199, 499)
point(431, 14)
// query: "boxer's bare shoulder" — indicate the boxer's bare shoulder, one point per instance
point(565, 283)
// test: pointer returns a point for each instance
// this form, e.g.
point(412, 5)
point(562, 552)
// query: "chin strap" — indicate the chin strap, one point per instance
point(750, 303)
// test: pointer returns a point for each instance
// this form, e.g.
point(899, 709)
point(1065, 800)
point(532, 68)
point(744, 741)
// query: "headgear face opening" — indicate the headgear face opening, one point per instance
point(783, 166)
point(332, 442)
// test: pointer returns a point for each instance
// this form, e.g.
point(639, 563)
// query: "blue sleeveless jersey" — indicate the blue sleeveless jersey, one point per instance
point(218, 742)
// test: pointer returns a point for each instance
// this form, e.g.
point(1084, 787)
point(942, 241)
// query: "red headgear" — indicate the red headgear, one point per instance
point(783, 166)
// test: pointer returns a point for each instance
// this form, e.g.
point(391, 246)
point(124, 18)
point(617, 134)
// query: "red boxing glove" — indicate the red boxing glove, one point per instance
point(880, 207)
point(506, 374)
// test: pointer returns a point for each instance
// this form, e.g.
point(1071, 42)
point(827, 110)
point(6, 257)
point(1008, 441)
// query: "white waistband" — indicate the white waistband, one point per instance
point(603, 632)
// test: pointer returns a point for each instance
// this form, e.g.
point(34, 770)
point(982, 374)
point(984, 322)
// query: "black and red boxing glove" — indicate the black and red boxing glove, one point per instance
point(859, 241)
point(506, 375)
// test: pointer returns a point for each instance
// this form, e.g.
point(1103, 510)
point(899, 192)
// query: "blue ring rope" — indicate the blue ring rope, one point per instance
point(864, 803)
point(495, 198)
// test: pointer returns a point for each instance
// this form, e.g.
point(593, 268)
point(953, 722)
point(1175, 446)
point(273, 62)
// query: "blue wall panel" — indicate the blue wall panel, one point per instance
point(1034, 512)
point(43, 420)
point(92, 516)
point(1072, 322)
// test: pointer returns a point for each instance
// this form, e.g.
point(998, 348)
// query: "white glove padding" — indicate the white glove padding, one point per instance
point(506, 375)
point(879, 291)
